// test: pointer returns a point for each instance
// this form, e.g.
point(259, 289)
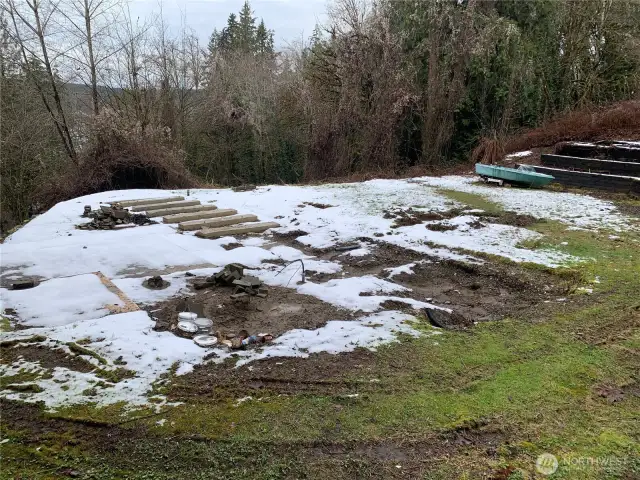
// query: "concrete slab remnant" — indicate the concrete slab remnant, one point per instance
point(164, 206)
point(198, 215)
point(217, 222)
point(147, 201)
point(236, 229)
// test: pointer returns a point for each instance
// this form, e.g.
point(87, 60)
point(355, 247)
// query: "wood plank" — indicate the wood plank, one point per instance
point(164, 206)
point(592, 164)
point(146, 201)
point(606, 150)
point(236, 229)
point(175, 210)
point(601, 181)
point(129, 305)
point(199, 215)
point(217, 222)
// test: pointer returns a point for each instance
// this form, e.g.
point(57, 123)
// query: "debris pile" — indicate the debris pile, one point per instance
point(155, 283)
point(200, 330)
point(107, 218)
point(248, 286)
point(195, 326)
point(232, 275)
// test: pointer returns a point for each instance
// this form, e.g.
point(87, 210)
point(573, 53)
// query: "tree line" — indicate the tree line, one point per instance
point(382, 87)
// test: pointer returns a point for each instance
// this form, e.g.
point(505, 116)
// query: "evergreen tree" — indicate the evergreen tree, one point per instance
point(228, 37)
point(264, 40)
point(246, 39)
point(214, 41)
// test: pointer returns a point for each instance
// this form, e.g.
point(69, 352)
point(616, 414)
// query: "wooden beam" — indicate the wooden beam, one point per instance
point(175, 210)
point(164, 206)
point(614, 167)
point(236, 229)
point(146, 201)
point(198, 215)
point(217, 222)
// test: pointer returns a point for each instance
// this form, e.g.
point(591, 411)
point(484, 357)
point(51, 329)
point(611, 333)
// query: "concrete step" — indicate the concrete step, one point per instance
point(146, 201)
point(175, 210)
point(217, 222)
point(236, 229)
point(198, 215)
point(164, 206)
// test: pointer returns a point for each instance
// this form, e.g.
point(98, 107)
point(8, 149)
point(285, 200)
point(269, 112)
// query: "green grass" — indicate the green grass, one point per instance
point(5, 324)
point(472, 200)
point(79, 350)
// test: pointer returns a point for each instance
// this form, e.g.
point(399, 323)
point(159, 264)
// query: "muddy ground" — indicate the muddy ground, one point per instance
point(47, 357)
point(136, 447)
point(282, 310)
point(488, 291)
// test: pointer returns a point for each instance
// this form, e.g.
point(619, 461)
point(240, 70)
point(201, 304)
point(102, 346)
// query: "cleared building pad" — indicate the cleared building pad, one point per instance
point(236, 229)
point(217, 222)
point(164, 206)
point(146, 201)
point(198, 215)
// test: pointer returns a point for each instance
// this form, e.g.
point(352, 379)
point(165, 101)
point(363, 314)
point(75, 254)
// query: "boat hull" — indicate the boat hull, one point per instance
point(514, 176)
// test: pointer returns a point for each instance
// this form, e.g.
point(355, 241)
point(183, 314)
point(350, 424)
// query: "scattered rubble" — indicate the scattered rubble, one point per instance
point(232, 275)
point(155, 283)
point(225, 277)
point(107, 218)
point(248, 285)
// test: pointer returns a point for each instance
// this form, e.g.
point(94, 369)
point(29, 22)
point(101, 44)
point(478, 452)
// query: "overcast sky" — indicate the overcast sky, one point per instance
point(289, 19)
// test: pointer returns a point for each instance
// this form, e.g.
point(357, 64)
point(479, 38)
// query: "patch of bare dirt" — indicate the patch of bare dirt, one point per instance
point(232, 246)
point(481, 292)
point(511, 218)
point(282, 310)
point(136, 447)
point(47, 357)
point(321, 206)
point(440, 227)
point(411, 216)
point(629, 209)
point(321, 373)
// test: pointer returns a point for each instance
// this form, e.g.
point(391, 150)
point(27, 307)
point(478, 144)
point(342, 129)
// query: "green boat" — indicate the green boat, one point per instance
point(523, 176)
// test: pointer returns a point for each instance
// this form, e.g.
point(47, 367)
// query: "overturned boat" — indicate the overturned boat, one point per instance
point(524, 176)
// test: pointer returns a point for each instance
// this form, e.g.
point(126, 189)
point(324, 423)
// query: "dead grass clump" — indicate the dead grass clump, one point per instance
point(490, 150)
point(616, 121)
point(121, 156)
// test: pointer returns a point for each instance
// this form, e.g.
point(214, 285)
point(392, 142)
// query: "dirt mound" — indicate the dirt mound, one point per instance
point(616, 121)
